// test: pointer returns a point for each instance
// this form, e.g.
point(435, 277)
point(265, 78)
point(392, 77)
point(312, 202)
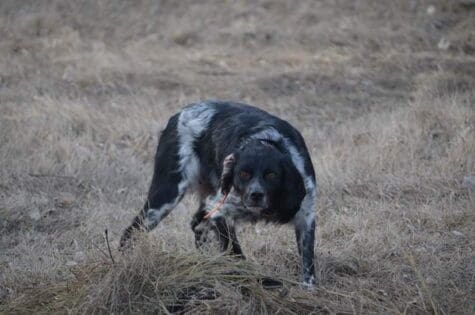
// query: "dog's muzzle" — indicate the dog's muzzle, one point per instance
point(256, 201)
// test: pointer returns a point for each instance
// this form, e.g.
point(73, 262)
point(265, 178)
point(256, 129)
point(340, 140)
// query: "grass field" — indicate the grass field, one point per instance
point(383, 92)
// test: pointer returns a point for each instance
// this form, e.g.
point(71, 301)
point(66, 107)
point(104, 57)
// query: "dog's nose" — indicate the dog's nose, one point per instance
point(257, 195)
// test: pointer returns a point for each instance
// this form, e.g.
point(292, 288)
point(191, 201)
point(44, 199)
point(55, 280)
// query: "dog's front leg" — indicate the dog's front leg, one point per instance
point(305, 233)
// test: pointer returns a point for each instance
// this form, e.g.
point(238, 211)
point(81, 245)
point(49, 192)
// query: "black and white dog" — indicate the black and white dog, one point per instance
point(257, 161)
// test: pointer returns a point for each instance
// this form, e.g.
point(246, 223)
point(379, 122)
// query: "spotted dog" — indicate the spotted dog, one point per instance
point(253, 163)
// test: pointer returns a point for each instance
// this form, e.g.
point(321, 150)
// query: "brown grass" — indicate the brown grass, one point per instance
point(381, 90)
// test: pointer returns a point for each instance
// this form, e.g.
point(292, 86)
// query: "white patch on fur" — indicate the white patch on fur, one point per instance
point(269, 133)
point(306, 214)
point(310, 283)
point(154, 216)
point(193, 121)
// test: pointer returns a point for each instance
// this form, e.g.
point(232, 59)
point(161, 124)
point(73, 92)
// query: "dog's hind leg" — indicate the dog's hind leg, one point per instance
point(164, 195)
point(168, 184)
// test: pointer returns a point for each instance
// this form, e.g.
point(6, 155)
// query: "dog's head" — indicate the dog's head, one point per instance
point(265, 179)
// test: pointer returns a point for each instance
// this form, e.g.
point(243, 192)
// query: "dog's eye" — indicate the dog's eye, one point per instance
point(270, 176)
point(244, 175)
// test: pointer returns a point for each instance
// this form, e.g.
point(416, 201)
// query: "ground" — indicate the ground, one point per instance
point(382, 92)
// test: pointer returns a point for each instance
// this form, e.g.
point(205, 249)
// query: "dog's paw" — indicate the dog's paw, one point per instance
point(125, 246)
point(309, 282)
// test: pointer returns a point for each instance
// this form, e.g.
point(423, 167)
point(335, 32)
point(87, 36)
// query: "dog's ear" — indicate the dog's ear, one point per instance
point(228, 173)
point(293, 188)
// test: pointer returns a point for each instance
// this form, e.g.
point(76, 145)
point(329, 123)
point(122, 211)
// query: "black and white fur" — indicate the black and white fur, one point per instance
point(198, 151)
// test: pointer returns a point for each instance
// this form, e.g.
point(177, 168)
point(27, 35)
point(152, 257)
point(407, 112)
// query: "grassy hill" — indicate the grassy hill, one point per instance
point(383, 92)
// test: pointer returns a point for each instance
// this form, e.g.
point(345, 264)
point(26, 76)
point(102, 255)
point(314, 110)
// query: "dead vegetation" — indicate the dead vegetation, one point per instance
point(381, 90)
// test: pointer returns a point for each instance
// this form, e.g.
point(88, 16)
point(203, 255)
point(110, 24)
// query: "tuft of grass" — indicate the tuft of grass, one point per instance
point(150, 279)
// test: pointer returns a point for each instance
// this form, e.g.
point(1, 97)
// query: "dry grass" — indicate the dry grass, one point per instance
point(381, 90)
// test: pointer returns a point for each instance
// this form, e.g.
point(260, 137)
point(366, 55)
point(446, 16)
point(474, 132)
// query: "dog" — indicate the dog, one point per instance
point(245, 165)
